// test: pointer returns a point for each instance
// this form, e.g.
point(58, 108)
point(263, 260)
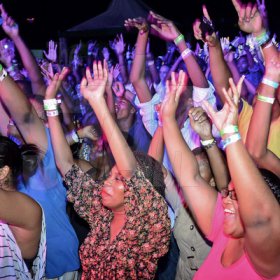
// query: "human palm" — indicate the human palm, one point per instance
point(174, 89)
point(55, 83)
point(229, 114)
point(249, 18)
point(93, 88)
point(163, 27)
point(139, 23)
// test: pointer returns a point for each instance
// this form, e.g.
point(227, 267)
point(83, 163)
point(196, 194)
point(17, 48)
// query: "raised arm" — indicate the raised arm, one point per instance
point(22, 112)
point(137, 74)
point(24, 213)
point(166, 30)
point(199, 196)
point(218, 66)
point(258, 208)
point(93, 90)
point(156, 148)
point(63, 155)
point(266, 110)
point(28, 60)
point(118, 46)
point(201, 125)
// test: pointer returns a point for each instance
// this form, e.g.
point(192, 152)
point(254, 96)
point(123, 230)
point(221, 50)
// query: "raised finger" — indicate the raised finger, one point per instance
point(242, 12)
point(105, 69)
point(229, 100)
point(239, 85)
point(84, 82)
point(205, 12)
point(209, 109)
point(88, 74)
point(236, 5)
point(100, 70)
point(95, 69)
point(248, 11)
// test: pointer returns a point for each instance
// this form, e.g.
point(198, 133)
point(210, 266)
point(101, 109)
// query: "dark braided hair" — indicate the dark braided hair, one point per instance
point(152, 170)
point(272, 181)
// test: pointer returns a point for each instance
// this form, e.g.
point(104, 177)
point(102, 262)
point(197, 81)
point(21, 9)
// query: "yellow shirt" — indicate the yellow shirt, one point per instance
point(274, 132)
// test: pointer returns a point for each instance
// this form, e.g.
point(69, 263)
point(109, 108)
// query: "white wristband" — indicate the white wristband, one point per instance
point(3, 75)
point(52, 113)
point(186, 53)
point(207, 142)
point(51, 104)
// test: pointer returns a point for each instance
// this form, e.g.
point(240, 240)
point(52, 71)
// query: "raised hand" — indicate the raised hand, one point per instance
point(91, 46)
point(116, 71)
point(106, 53)
point(47, 71)
point(140, 23)
point(7, 51)
point(88, 132)
point(118, 89)
point(52, 52)
point(9, 25)
point(249, 18)
point(93, 88)
point(262, 8)
point(55, 83)
point(229, 114)
point(162, 27)
point(118, 44)
point(200, 123)
point(110, 79)
point(210, 39)
point(174, 89)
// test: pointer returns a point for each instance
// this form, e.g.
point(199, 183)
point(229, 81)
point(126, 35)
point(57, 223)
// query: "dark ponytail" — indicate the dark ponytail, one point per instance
point(21, 161)
point(30, 159)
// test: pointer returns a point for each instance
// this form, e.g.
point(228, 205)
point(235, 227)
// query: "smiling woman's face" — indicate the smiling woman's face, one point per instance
point(232, 223)
point(113, 191)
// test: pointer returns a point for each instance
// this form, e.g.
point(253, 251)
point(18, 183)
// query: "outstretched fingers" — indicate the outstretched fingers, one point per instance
point(209, 110)
point(181, 84)
point(205, 12)
point(236, 5)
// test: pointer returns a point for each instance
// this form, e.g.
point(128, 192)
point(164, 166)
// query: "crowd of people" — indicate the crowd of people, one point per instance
point(127, 164)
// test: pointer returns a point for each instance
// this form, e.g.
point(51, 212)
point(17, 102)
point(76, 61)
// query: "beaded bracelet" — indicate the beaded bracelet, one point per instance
point(265, 99)
point(230, 140)
point(179, 39)
point(229, 129)
point(270, 83)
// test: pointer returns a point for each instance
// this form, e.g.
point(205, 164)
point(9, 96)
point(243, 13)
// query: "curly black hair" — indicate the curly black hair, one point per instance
point(272, 181)
point(152, 170)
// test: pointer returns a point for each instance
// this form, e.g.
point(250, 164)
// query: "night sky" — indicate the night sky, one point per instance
point(49, 18)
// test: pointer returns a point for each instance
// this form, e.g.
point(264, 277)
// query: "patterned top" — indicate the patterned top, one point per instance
point(134, 253)
point(12, 265)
